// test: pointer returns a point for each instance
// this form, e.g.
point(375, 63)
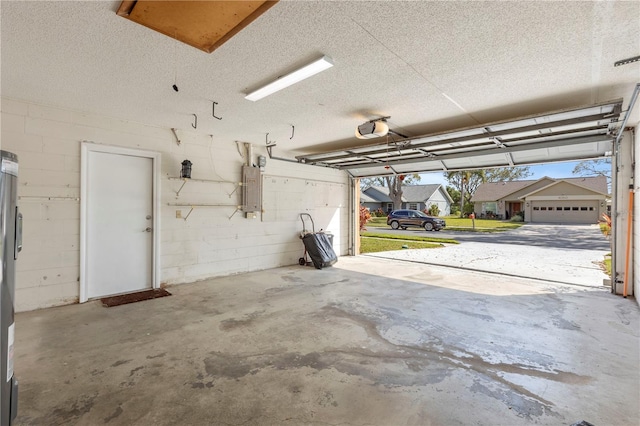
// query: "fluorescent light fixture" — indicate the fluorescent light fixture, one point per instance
point(294, 77)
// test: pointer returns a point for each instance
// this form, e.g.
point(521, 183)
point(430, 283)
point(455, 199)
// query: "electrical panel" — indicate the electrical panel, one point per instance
point(251, 189)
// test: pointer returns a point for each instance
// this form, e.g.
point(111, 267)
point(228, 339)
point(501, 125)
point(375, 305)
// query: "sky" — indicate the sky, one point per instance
point(552, 170)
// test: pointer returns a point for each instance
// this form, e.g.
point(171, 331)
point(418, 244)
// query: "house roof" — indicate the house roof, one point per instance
point(493, 191)
point(410, 193)
point(419, 193)
point(364, 198)
point(378, 194)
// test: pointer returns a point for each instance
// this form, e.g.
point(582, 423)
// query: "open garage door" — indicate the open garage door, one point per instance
point(574, 134)
point(583, 133)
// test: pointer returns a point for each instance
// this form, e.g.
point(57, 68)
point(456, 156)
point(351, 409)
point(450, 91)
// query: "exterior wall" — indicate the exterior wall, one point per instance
point(529, 189)
point(556, 195)
point(210, 243)
point(442, 202)
point(371, 206)
point(564, 188)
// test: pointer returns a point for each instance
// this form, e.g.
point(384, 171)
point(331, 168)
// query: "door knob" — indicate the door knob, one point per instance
point(147, 230)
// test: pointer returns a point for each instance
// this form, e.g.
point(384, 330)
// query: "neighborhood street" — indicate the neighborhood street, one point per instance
point(552, 252)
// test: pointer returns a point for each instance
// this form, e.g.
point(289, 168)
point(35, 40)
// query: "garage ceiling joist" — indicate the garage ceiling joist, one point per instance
point(573, 134)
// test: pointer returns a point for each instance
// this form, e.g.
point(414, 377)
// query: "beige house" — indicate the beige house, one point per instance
point(568, 200)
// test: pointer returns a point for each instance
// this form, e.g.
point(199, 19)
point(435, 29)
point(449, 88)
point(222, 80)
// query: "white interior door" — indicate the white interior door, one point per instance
point(118, 223)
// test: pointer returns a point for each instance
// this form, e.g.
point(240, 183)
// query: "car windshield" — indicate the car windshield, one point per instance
point(421, 214)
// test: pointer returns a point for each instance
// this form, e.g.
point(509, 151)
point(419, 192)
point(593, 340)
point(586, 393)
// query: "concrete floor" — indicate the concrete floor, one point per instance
point(366, 342)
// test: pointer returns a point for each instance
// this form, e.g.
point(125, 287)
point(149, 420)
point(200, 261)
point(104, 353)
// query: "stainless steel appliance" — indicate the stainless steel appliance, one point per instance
point(10, 245)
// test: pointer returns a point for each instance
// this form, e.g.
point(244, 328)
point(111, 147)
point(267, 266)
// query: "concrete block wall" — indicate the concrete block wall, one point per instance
point(636, 217)
point(213, 241)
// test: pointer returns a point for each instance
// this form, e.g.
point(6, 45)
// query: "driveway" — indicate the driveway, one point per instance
point(562, 253)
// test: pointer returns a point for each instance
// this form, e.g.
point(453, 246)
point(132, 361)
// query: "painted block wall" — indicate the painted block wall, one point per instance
point(213, 241)
point(636, 218)
point(622, 214)
point(442, 202)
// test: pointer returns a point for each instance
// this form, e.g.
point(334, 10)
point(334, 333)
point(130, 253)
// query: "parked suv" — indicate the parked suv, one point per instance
point(404, 218)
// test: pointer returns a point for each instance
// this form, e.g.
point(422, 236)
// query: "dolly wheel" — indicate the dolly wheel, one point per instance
point(301, 261)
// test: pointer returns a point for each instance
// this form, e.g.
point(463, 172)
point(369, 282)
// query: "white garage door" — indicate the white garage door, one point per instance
point(567, 211)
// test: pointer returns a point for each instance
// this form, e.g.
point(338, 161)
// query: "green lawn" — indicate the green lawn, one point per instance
point(372, 242)
point(606, 263)
point(408, 237)
point(373, 245)
point(455, 223)
point(378, 222)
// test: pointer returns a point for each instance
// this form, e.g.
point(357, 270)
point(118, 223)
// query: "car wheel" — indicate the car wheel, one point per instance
point(302, 262)
point(395, 225)
point(428, 226)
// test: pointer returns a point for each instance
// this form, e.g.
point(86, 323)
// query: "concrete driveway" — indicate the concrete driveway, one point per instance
point(562, 253)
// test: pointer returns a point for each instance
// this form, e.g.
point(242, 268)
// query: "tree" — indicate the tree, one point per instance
point(599, 167)
point(453, 193)
point(380, 181)
point(394, 183)
point(465, 182)
point(506, 174)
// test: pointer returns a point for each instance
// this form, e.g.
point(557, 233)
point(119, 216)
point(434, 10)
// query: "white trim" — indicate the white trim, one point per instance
point(87, 147)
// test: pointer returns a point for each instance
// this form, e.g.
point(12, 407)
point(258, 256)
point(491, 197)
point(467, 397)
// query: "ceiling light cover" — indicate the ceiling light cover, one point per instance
point(294, 77)
point(372, 129)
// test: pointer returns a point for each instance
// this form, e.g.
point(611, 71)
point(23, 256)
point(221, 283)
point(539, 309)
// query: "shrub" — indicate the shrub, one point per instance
point(518, 217)
point(434, 210)
point(605, 225)
point(365, 217)
point(379, 213)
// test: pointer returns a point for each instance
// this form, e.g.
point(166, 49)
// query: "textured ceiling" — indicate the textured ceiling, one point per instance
point(431, 66)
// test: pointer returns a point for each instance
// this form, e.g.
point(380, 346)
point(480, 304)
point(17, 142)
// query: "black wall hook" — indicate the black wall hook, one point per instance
point(195, 123)
point(213, 111)
point(293, 131)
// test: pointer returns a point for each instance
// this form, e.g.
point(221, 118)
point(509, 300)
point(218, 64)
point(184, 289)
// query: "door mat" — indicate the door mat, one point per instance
point(139, 296)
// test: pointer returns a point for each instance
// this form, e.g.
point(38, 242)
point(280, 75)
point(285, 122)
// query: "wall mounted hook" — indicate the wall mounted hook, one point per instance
point(293, 131)
point(195, 123)
point(175, 133)
point(213, 111)
point(267, 141)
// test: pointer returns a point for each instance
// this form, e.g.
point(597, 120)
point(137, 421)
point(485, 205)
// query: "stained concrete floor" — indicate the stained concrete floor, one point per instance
point(366, 342)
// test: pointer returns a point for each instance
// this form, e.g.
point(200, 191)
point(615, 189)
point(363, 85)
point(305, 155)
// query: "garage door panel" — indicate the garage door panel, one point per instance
point(565, 211)
point(575, 134)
